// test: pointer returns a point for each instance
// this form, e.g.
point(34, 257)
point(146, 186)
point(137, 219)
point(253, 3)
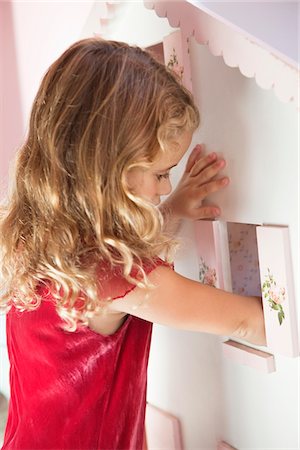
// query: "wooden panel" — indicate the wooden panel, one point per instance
point(224, 446)
point(176, 56)
point(248, 356)
point(162, 430)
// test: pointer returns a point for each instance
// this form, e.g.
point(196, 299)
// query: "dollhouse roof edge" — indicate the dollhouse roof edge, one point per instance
point(237, 48)
point(273, 25)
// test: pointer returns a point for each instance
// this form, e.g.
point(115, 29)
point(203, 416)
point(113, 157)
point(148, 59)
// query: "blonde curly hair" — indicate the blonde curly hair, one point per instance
point(103, 107)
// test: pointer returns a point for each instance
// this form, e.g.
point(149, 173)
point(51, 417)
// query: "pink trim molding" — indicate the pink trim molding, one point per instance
point(236, 48)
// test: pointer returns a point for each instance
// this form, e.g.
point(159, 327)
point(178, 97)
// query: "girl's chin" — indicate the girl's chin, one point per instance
point(156, 201)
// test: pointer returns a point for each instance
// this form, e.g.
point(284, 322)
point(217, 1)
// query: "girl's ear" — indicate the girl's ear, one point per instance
point(133, 178)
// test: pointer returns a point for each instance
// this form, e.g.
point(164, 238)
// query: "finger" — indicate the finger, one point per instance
point(213, 186)
point(202, 163)
point(207, 212)
point(193, 157)
point(210, 172)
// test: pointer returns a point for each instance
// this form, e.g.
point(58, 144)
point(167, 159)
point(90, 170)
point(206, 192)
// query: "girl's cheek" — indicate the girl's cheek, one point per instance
point(165, 187)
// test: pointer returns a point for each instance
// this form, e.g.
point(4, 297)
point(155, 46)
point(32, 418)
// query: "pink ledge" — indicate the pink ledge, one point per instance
point(224, 446)
point(248, 356)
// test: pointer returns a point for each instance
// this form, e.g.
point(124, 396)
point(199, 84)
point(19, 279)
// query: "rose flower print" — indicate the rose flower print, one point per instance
point(207, 275)
point(274, 295)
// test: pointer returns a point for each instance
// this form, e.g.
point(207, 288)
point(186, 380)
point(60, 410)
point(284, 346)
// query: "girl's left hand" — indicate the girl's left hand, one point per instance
point(198, 181)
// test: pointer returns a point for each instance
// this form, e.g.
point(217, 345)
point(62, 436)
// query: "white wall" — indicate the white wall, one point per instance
point(131, 22)
point(33, 35)
point(259, 137)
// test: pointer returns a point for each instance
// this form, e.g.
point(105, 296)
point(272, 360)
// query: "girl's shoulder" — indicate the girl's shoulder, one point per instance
point(114, 285)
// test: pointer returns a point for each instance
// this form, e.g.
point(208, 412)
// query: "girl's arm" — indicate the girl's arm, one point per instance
point(182, 303)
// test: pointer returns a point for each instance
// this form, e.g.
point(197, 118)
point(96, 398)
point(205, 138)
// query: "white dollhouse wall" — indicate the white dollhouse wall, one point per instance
point(214, 398)
point(258, 135)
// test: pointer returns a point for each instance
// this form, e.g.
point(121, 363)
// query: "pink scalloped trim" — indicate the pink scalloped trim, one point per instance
point(237, 50)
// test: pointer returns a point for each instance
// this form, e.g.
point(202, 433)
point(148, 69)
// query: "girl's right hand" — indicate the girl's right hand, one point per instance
point(199, 180)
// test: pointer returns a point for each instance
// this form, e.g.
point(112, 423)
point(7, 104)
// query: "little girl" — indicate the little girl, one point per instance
point(85, 248)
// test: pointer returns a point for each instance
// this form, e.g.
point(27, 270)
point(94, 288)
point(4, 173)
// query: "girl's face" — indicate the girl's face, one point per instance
point(153, 182)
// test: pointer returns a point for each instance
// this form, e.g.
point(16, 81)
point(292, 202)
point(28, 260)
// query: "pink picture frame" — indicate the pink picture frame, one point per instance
point(278, 290)
point(213, 253)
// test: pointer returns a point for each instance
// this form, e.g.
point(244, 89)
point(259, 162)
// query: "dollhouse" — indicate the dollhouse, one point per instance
point(205, 392)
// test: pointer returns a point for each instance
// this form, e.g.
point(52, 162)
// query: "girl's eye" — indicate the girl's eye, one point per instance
point(163, 176)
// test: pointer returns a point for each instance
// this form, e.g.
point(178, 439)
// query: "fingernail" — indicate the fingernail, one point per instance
point(212, 156)
point(217, 212)
point(225, 181)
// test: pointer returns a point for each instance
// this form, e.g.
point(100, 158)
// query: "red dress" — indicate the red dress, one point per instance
point(77, 390)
